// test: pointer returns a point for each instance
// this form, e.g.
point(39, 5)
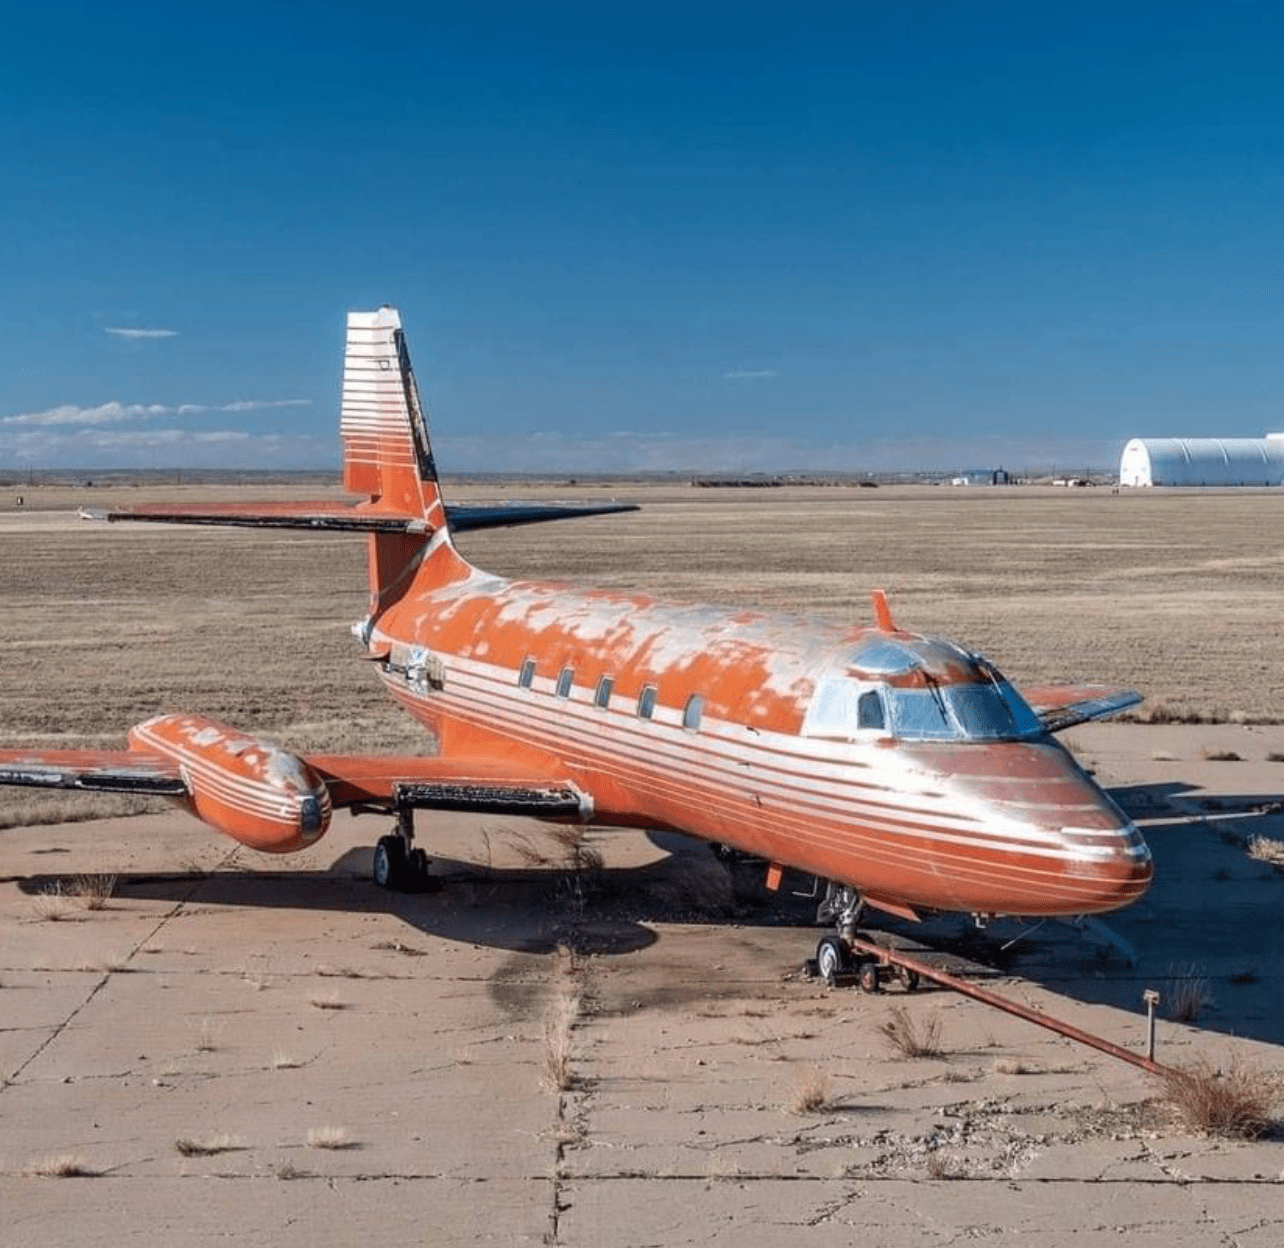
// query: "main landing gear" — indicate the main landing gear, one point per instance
point(837, 959)
point(398, 865)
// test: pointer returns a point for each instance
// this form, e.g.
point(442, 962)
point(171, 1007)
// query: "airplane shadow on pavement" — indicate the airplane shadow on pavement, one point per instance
point(1207, 932)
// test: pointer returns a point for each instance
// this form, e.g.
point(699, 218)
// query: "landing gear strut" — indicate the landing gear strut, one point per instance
point(398, 865)
point(836, 960)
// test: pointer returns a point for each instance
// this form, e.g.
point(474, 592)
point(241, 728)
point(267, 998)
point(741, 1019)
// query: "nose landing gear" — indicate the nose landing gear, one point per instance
point(838, 959)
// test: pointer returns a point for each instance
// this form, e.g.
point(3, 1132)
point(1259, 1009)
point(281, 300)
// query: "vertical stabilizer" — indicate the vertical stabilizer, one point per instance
point(387, 457)
point(386, 452)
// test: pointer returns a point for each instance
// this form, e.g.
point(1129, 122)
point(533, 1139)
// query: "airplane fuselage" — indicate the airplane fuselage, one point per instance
point(898, 764)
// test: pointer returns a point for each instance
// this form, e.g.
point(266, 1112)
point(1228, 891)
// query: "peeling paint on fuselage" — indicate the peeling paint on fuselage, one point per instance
point(995, 826)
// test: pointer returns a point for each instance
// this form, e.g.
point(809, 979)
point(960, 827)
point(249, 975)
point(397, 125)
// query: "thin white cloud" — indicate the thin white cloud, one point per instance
point(135, 332)
point(115, 412)
point(750, 374)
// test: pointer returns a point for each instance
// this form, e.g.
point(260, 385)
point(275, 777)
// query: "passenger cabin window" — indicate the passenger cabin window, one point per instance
point(526, 677)
point(603, 695)
point(693, 712)
point(565, 681)
point(869, 710)
point(646, 702)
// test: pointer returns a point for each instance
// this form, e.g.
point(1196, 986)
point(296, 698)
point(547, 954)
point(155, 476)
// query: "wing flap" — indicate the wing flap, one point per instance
point(1063, 706)
point(96, 771)
point(476, 786)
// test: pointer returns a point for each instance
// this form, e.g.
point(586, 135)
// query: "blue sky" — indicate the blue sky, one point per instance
point(664, 236)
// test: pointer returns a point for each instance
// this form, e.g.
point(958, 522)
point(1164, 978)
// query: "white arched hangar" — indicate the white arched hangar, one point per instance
point(1203, 461)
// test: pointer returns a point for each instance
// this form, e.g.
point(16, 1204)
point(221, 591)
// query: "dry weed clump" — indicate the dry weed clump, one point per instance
point(205, 1033)
point(1264, 849)
point(1188, 994)
point(1212, 755)
point(64, 1166)
point(812, 1095)
point(52, 904)
point(1010, 1066)
point(1275, 757)
point(333, 1138)
point(912, 1037)
point(328, 1001)
point(93, 891)
point(207, 1146)
point(941, 1166)
point(1235, 1104)
point(559, 1044)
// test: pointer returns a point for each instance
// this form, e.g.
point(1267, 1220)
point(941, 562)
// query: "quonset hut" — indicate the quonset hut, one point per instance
point(1203, 461)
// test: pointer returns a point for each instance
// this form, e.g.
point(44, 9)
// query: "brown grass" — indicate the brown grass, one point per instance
point(328, 1001)
point(812, 1095)
point(1235, 1104)
point(559, 1042)
point(1266, 849)
point(333, 1138)
point(207, 1146)
point(941, 1166)
point(93, 891)
point(205, 1033)
point(910, 1036)
point(1213, 755)
point(1188, 994)
point(64, 1166)
point(52, 904)
point(126, 630)
point(1009, 1066)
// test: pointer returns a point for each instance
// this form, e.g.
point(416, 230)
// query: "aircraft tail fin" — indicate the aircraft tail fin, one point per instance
point(387, 455)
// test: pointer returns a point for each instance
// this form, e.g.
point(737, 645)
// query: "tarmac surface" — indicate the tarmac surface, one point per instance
point(275, 1051)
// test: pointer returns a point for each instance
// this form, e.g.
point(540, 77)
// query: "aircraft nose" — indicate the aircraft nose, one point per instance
point(1119, 861)
point(1086, 855)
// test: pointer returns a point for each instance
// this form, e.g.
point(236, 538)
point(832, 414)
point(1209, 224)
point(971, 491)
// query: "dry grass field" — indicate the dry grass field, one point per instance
point(1174, 593)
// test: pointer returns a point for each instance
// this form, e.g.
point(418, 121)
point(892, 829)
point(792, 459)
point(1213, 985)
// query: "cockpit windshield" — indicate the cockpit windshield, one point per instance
point(955, 696)
point(992, 711)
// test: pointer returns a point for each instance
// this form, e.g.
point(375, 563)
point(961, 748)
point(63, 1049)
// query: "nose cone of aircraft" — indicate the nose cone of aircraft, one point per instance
point(1043, 821)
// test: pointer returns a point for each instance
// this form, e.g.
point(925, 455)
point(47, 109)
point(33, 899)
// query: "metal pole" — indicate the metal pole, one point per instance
point(1151, 998)
point(1069, 1030)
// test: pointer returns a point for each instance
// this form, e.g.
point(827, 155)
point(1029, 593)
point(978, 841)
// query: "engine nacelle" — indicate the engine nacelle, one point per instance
point(253, 791)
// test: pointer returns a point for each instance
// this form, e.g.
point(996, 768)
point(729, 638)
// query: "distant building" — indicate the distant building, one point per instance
point(1203, 461)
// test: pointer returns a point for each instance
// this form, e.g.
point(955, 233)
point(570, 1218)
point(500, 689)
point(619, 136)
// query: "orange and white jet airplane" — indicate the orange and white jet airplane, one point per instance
point(902, 770)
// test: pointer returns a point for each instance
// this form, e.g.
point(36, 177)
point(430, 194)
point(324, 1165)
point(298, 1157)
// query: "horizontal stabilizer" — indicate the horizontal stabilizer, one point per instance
point(1064, 706)
point(349, 517)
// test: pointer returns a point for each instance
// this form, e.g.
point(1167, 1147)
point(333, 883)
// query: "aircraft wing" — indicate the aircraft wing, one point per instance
point(338, 516)
point(1063, 706)
point(92, 771)
point(273, 800)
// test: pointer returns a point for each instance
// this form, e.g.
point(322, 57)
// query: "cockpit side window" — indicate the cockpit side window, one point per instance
point(869, 710)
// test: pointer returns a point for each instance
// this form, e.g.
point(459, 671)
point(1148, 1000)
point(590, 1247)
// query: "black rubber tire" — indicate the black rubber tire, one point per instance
point(868, 977)
point(833, 958)
point(908, 979)
point(389, 867)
